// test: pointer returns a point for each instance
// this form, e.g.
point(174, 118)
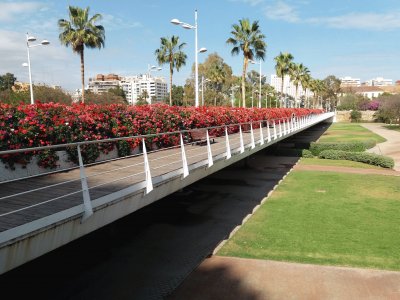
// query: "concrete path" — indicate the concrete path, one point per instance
point(389, 148)
point(237, 278)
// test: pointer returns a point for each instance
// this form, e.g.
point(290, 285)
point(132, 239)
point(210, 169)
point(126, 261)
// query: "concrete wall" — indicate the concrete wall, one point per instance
point(344, 116)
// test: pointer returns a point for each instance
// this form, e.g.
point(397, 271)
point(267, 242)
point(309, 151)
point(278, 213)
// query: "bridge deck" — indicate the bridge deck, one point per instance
point(103, 179)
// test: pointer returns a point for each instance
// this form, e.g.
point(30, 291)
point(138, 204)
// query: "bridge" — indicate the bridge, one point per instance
point(39, 213)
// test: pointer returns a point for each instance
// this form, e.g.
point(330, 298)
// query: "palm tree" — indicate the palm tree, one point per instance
point(79, 32)
point(170, 52)
point(247, 38)
point(305, 81)
point(317, 86)
point(299, 74)
point(283, 65)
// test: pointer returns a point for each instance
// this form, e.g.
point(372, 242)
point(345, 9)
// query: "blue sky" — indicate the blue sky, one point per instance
point(358, 38)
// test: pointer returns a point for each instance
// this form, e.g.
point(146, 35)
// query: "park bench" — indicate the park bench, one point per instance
point(199, 137)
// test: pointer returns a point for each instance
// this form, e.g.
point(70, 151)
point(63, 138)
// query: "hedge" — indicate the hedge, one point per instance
point(317, 148)
point(307, 153)
point(364, 157)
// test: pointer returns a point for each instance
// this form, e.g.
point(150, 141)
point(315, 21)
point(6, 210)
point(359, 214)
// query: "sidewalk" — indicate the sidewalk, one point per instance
point(389, 148)
point(222, 278)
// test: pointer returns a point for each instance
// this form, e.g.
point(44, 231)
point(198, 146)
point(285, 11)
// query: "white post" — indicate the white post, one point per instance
point(259, 92)
point(184, 161)
point(210, 157)
point(275, 136)
point(253, 144)
point(196, 67)
point(29, 68)
point(280, 128)
point(241, 139)
point(87, 204)
point(268, 133)
point(228, 147)
point(284, 126)
point(149, 182)
point(261, 134)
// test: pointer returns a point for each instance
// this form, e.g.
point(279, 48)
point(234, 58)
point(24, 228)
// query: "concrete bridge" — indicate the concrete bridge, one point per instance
point(41, 213)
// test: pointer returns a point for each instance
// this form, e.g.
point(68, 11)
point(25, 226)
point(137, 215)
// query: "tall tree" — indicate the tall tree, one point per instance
point(81, 31)
point(248, 39)
point(7, 81)
point(332, 89)
point(283, 66)
point(317, 86)
point(170, 52)
point(305, 81)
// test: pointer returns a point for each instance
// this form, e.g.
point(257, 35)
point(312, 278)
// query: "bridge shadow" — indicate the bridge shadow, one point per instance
point(147, 254)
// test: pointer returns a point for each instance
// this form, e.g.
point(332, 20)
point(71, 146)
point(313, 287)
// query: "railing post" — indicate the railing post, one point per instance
point(275, 136)
point(280, 128)
point(253, 144)
point(241, 139)
point(261, 134)
point(268, 132)
point(284, 126)
point(228, 147)
point(149, 182)
point(184, 160)
point(87, 203)
point(210, 157)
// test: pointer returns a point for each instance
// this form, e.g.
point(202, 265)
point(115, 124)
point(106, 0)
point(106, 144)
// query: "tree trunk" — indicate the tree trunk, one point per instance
point(295, 98)
point(280, 102)
point(170, 82)
point(83, 75)
point(245, 62)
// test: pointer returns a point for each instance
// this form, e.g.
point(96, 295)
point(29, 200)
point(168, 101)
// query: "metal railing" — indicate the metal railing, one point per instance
point(174, 158)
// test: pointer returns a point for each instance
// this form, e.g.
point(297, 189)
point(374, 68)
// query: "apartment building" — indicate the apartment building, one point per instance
point(379, 81)
point(289, 87)
point(350, 82)
point(155, 88)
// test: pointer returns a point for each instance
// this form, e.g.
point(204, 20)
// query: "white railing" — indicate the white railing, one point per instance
point(265, 132)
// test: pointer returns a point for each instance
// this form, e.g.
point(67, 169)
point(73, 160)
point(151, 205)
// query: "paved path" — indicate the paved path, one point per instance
point(222, 278)
point(389, 148)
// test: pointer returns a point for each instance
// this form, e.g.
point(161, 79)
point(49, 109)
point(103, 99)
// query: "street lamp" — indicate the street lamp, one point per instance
point(42, 43)
point(259, 95)
point(196, 51)
point(152, 68)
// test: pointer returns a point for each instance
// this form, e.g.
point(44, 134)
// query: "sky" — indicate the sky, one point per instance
point(358, 38)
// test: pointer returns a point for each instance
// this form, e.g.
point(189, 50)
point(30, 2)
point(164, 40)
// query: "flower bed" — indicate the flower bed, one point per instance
point(27, 126)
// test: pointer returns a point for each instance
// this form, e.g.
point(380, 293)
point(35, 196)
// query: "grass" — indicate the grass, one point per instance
point(338, 163)
point(348, 132)
point(326, 218)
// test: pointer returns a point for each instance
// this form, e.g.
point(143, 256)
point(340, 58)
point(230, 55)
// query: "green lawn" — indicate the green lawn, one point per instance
point(326, 218)
point(339, 163)
point(347, 132)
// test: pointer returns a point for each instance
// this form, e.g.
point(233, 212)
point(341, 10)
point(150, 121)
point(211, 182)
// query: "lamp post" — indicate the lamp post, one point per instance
point(233, 88)
point(152, 68)
point(42, 43)
point(259, 95)
point(196, 51)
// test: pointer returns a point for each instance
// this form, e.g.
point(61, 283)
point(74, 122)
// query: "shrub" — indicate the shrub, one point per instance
point(364, 157)
point(307, 153)
point(355, 116)
point(317, 148)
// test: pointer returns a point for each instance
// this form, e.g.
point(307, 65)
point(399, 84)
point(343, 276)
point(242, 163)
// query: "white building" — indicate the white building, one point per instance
point(379, 81)
point(349, 81)
point(134, 86)
point(289, 87)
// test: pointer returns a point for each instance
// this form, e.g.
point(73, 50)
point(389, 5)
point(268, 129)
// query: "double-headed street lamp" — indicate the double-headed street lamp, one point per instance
point(43, 43)
point(152, 68)
point(259, 94)
point(196, 51)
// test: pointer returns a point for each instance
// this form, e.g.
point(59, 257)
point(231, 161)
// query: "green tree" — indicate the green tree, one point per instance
point(248, 39)
point(177, 95)
point(170, 52)
point(118, 91)
point(331, 91)
point(7, 81)
point(283, 66)
point(79, 32)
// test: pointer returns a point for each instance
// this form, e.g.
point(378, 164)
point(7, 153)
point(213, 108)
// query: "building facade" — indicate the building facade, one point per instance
point(379, 81)
point(144, 86)
point(350, 82)
point(289, 88)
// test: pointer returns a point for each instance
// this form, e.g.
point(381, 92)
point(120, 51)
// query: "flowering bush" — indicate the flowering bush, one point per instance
point(42, 124)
